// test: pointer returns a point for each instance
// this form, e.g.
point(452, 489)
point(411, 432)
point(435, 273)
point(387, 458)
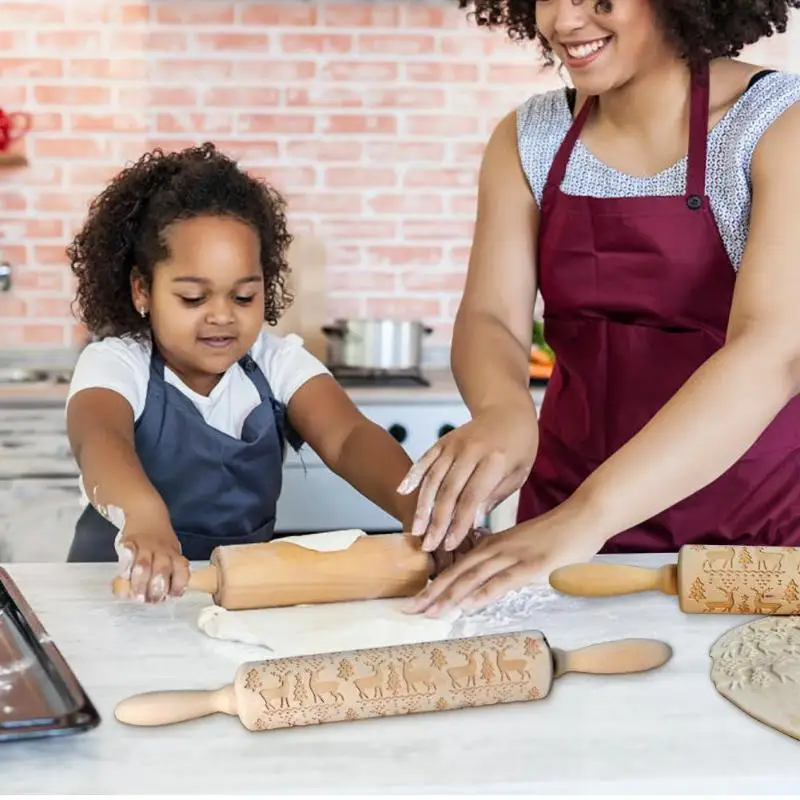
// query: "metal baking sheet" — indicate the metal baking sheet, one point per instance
point(39, 694)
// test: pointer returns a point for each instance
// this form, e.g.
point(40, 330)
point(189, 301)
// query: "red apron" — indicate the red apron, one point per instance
point(637, 294)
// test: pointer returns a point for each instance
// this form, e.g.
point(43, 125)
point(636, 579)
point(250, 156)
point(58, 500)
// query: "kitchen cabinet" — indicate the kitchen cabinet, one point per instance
point(39, 494)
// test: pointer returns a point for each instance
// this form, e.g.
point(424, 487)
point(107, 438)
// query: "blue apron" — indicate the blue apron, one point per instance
point(219, 490)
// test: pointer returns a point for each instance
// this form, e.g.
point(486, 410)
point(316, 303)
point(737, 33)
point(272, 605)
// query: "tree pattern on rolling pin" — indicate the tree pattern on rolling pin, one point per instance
point(405, 679)
point(737, 580)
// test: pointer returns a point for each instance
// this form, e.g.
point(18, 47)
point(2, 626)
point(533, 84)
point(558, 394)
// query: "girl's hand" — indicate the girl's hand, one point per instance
point(150, 558)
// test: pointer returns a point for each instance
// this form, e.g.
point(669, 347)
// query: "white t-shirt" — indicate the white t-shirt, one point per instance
point(123, 365)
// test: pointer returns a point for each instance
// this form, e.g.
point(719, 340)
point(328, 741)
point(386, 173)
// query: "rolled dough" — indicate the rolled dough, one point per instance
point(324, 542)
point(325, 628)
point(756, 666)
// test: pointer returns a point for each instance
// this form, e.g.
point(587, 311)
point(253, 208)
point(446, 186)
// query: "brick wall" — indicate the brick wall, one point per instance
point(370, 117)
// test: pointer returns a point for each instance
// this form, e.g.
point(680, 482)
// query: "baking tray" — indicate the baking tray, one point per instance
point(39, 694)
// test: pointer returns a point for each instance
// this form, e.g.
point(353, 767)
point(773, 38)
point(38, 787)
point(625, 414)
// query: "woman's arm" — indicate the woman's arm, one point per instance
point(350, 444)
point(717, 415)
point(479, 464)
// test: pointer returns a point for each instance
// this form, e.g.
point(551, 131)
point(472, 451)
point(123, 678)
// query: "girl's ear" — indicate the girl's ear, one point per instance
point(140, 294)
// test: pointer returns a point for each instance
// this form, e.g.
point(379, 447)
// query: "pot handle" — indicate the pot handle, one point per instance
point(427, 329)
point(331, 330)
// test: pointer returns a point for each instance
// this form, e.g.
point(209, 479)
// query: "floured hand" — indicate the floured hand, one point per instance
point(150, 558)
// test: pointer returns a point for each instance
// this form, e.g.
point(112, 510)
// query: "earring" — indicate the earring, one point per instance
point(142, 313)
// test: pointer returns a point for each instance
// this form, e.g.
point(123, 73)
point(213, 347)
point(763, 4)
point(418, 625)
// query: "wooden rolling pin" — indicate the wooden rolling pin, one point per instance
point(708, 579)
point(389, 681)
point(281, 573)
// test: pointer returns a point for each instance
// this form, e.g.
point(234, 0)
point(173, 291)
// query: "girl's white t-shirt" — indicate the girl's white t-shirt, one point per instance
point(123, 365)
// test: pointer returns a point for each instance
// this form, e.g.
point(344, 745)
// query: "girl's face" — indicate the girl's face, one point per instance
point(602, 50)
point(206, 301)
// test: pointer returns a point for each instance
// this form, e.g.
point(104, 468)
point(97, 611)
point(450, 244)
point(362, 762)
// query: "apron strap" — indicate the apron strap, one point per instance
point(559, 166)
point(698, 139)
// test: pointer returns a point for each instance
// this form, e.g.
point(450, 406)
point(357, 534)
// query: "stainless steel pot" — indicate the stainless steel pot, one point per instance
point(379, 344)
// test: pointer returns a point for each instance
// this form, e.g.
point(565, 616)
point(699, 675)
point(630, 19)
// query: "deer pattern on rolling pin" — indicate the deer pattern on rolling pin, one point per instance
point(732, 579)
point(403, 679)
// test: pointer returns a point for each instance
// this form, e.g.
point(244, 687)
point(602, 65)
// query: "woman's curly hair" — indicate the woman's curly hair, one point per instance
point(698, 29)
point(126, 222)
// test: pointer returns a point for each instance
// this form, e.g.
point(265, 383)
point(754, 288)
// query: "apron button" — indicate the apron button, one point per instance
point(694, 202)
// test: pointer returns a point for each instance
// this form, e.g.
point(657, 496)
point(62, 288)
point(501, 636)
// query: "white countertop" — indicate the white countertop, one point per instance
point(657, 732)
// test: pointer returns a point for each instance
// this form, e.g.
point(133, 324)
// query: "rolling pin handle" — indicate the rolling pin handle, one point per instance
point(613, 658)
point(167, 708)
point(202, 580)
point(611, 580)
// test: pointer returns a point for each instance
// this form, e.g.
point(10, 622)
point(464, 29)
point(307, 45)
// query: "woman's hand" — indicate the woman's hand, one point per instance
point(150, 558)
point(468, 472)
point(509, 560)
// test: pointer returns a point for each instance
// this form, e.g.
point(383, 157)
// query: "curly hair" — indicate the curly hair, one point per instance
point(125, 227)
point(699, 30)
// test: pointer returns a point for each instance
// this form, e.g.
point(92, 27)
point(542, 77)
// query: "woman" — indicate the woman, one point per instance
point(655, 209)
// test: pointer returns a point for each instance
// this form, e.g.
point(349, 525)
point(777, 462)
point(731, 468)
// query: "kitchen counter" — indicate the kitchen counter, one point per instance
point(659, 732)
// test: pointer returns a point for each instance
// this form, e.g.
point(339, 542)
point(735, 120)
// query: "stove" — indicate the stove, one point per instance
point(352, 377)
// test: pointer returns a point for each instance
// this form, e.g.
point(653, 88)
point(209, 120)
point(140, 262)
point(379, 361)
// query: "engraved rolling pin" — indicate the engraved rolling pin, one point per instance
point(389, 681)
point(277, 573)
point(708, 579)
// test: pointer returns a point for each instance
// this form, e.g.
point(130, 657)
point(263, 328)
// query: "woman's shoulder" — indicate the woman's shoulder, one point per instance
point(543, 112)
point(768, 95)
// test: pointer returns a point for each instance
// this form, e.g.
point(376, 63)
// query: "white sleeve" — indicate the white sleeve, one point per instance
point(122, 366)
point(286, 364)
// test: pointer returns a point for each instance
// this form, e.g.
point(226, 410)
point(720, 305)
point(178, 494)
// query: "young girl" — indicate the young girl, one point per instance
point(655, 207)
point(180, 416)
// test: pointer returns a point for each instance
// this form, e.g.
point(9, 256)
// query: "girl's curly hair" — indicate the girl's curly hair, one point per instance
point(126, 222)
point(698, 29)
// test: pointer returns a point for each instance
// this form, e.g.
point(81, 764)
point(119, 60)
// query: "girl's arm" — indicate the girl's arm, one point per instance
point(350, 444)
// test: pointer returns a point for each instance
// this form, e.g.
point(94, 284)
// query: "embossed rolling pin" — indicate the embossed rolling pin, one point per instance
point(707, 579)
point(279, 573)
point(390, 681)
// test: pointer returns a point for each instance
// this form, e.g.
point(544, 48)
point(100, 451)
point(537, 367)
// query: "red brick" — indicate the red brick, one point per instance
point(325, 97)
point(359, 71)
point(410, 45)
point(446, 228)
point(357, 229)
point(339, 255)
point(194, 70)
point(30, 68)
point(68, 41)
point(281, 177)
point(432, 281)
point(463, 205)
point(406, 203)
point(115, 68)
point(72, 95)
point(12, 306)
point(325, 203)
point(192, 122)
point(41, 228)
point(441, 72)
point(405, 255)
point(32, 14)
point(322, 150)
point(92, 174)
point(355, 176)
point(404, 98)
point(42, 173)
point(471, 152)
point(259, 150)
point(12, 201)
point(444, 177)
point(241, 96)
point(49, 307)
point(153, 96)
point(403, 308)
point(358, 280)
point(47, 121)
point(279, 14)
point(13, 40)
point(251, 70)
point(316, 43)
point(441, 125)
point(360, 16)
point(108, 123)
point(421, 16)
point(236, 42)
point(194, 13)
point(48, 254)
point(150, 41)
point(357, 123)
point(65, 201)
point(405, 151)
point(36, 280)
point(276, 123)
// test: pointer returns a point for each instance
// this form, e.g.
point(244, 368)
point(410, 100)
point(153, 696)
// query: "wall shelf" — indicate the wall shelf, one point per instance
point(13, 160)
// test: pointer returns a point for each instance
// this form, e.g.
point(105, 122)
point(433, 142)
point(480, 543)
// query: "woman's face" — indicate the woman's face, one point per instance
point(602, 50)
